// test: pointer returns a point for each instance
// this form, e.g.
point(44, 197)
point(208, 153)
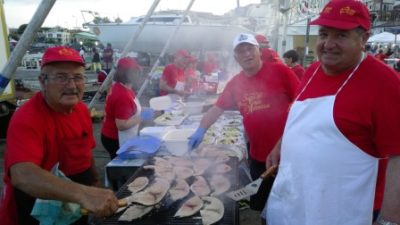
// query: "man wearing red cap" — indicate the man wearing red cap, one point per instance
point(262, 93)
point(343, 125)
point(53, 127)
point(173, 79)
point(267, 54)
point(123, 112)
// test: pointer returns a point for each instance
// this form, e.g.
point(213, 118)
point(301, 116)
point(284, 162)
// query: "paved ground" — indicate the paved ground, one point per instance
point(247, 216)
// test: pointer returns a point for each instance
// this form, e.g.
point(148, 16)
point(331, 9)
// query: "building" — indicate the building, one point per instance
point(58, 35)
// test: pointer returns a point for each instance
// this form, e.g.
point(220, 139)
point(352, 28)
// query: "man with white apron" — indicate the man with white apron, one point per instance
point(173, 79)
point(343, 121)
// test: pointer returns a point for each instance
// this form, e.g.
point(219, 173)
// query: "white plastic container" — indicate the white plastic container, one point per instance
point(161, 103)
point(193, 108)
point(157, 132)
point(176, 141)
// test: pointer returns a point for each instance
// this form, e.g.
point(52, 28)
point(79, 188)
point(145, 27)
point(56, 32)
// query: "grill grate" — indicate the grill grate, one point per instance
point(164, 212)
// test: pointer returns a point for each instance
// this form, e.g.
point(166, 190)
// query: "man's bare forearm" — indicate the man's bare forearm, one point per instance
point(40, 183)
point(211, 116)
point(391, 202)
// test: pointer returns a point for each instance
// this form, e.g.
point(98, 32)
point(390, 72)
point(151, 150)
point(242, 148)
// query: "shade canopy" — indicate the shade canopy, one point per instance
point(384, 37)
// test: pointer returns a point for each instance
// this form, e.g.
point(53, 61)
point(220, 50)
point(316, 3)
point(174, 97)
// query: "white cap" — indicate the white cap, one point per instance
point(244, 38)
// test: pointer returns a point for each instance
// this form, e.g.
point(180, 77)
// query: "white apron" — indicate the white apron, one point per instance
point(323, 178)
point(180, 86)
point(125, 135)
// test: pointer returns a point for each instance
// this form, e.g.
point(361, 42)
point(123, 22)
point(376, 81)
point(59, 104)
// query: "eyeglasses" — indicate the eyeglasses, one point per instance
point(64, 79)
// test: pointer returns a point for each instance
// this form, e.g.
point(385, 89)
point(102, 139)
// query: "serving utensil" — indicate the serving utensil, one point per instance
point(252, 188)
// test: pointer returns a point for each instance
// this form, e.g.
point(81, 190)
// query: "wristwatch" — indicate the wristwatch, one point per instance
point(381, 221)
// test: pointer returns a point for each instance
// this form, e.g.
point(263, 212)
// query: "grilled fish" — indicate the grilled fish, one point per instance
point(180, 190)
point(213, 210)
point(200, 187)
point(190, 207)
point(138, 184)
point(135, 212)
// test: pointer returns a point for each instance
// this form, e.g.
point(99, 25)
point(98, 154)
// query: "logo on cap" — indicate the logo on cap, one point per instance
point(65, 52)
point(347, 10)
point(242, 37)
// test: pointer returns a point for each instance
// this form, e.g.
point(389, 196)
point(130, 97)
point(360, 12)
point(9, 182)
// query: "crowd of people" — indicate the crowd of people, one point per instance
point(331, 129)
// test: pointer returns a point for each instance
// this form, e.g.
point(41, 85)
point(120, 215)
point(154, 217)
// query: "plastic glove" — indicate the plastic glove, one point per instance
point(196, 138)
point(147, 114)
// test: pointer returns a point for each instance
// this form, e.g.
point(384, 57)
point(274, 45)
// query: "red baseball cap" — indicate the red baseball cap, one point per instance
point(344, 15)
point(183, 53)
point(261, 38)
point(61, 54)
point(128, 63)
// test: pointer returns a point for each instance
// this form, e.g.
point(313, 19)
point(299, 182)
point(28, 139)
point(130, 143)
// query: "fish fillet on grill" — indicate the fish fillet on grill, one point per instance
point(220, 184)
point(222, 159)
point(179, 161)
point(190, 207)
point(200, 187)
point(213, 210)
point(135, 212)
point(183, 172)
point(222, 168)
point(152, 194)
point(161, 171)
point(180, 190)
point(158, 161)
point(200, 166)
point(138, 184)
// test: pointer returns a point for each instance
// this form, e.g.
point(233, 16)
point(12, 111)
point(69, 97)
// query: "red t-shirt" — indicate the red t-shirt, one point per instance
point(381, 57)
point(298, 70)
point(172, 74)
point(366, 109)
point(39, 135)
point(120, 104)
point(263, 100)
point(208, 67)
point(269, 55)
point(101, 76)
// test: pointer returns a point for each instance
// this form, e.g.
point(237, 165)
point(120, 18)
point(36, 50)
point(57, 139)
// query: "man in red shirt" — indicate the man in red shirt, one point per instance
point(267, 54)
point(262, 92)
point(209, 65)
point(344, 123)
point(381, 56)
point(291, 59)
point(54, 126)
point(173, 79)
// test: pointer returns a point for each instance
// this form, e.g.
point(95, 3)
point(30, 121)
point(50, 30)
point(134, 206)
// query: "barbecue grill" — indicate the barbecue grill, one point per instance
point(165, 211)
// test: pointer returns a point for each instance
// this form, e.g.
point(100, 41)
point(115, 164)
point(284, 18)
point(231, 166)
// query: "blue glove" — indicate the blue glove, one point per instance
point(196, 138)
point(146, 114)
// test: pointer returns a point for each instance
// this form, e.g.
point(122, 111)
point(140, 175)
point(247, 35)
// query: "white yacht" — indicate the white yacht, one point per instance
point(199, 31)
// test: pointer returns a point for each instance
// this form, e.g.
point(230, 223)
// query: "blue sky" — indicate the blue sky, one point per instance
point(67, 13)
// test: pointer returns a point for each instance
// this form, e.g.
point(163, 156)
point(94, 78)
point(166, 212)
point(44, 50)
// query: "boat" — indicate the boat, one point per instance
point(199, 31)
